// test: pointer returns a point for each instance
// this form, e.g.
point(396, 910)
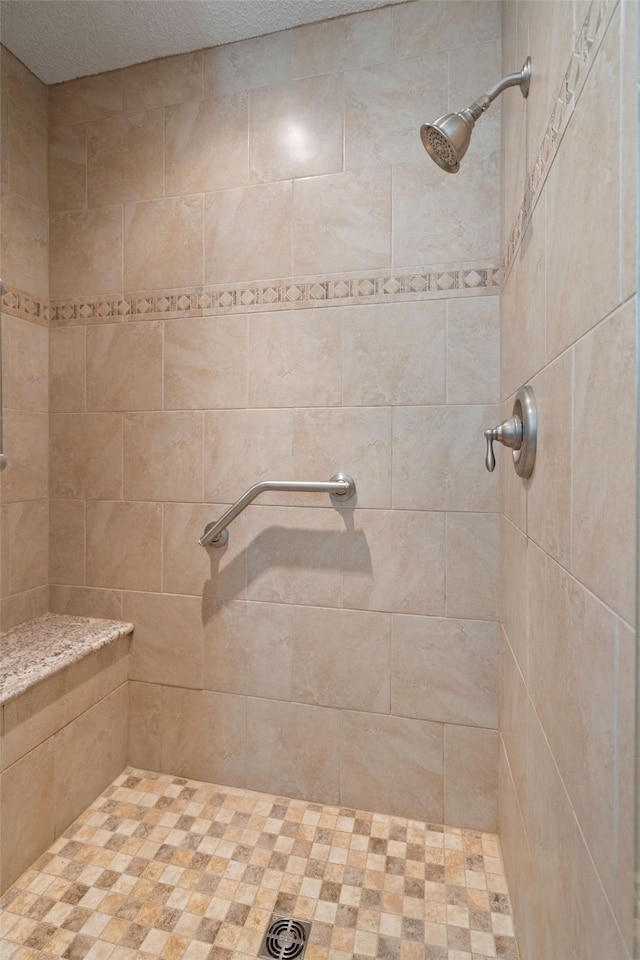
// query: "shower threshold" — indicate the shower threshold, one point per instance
point(165, 867)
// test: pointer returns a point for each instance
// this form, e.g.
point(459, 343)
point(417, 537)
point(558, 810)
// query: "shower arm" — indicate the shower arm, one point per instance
point(521, 79)
point(341, 487)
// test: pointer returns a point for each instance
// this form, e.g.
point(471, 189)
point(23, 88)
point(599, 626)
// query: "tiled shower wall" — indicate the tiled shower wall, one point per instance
point(568, 534)
point(24, 269)
point(257, 273)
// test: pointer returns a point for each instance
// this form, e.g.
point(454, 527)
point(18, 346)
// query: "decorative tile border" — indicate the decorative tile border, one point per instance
point(587, 44)
point(376, 287)
point(19, 303)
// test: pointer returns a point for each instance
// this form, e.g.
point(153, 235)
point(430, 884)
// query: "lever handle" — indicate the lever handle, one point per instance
point(509, 433)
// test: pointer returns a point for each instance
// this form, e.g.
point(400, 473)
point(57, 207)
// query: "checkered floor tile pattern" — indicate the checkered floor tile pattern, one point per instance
point(170, 868)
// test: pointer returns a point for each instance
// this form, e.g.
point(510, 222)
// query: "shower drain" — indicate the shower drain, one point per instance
point(285, 939)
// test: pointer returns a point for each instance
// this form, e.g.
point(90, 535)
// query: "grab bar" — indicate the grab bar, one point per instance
point(341, 487)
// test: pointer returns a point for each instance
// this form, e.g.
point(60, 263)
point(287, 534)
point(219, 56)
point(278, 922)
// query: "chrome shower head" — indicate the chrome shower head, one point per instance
point(447, 139)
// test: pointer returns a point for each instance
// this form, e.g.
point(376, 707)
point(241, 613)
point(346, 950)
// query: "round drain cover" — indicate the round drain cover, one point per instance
point(285, 939)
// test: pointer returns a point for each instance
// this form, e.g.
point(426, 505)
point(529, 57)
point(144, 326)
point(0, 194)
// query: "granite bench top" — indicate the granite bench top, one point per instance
point(41, 647)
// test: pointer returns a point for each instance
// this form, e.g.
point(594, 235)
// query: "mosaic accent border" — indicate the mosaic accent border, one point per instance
point(19, 303)
point(276, 295)
point(587, 44)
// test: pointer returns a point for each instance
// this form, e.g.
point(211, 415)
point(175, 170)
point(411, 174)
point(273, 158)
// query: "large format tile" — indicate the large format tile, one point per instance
point(394, 561)
point(25, 237)
point(163, 243)
point(125, 158)
point(161, 82)
point(604, 464)
point(392, 764)
point(471, 776)
point(248, 649)
point(296, 129)
point(473, 566)
point(123, 544)
point(87, 98)
point(28, 815)
point(248, 233)
point(291, 748)
point(163, 456)
point(445, 670)
point(420, 28)
point(204, 735)
point(86, 252)
point(394, 353)
point(205, 363)
point(86, 455)
point(26, 475)
point(342, 222)
point(167, 644)
point(66, 541)
point(343, 43)
point(26, 155)
point(473, 350)
point(124, 366)
point(145, 724)
point(25, 384)
point(67, 168)
point(341, 658)
point(67, 369)
point(188, 568)
point(206, 145)
point(247, 64)
point(25, 544)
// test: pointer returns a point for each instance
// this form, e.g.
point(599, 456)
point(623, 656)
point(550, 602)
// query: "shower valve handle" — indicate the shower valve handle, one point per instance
point(510, 433)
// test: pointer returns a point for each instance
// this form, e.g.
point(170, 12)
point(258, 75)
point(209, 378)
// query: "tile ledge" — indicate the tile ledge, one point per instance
point(38, 648)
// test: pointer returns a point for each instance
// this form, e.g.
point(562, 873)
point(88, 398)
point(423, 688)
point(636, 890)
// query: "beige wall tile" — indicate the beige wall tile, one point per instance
point(24, 606)
point(513, 151)
point(445, 670)
point(355, 441)
point(473, 566)
point(26, 476)
point(112, 666)
point(23, 87)
point(438, 218)
point(473, 350)
point(294, 360)
point(392, 765)
point(163, 456)
point(583, 276)
point(604, 451)
point(293, 555)
point(408, 580)
point(86, 455)
point(295, 129)
point(342, 222)
point(24, 527)
point(187, 568)
point(101, 733)
point(87, 98)
point(342, 43)
point(86, 602)
point(248, 649)
point(145, 725)
point(67, 370)
point(515, 551)
point(625, 781)
point(124, 366)
point(549, 516)
point(163, 243)
point(27, 155)
point(441, 472)
point(124, 545)
point(550, 42)
point(291, 749)
point(524, 308)
point(341, 658)
point(66, 541)
point(27, 814)
point(25, 245)
point(572, 683)
point(475, 67)
point(515, 852)
point(125, 158)
point(248, 233)
point(471, 777)
point(86, 252)
point(419, 28)
point(257, 62)
point(25, 384)
point(385, 105)
point(205, 363)
point(206, 145)
point(628, 149)
point(244, 447)
point(161, 82)
point(513, 723)
point(204, 735)
point(67, 168)
point(167, 643)
point(394, 353)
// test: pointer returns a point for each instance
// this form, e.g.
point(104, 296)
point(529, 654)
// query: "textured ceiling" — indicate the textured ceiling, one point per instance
point(62, 39)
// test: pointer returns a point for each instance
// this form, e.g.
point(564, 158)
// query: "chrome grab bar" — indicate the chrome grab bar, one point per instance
point(341, 487)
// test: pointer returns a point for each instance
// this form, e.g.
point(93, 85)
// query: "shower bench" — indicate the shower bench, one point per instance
point(63, 727)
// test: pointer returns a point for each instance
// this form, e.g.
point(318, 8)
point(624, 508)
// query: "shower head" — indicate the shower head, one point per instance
point(447, 139)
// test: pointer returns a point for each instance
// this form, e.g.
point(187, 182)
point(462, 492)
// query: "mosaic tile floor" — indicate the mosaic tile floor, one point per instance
point(165, 867)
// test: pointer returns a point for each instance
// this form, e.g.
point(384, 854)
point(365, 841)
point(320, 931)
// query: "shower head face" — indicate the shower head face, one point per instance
point(447, 139)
